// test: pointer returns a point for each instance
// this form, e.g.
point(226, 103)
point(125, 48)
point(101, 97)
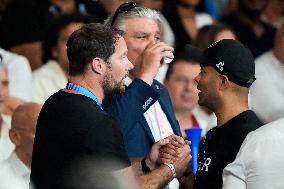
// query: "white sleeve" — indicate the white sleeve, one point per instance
point(20, 78)
point(38, 88)
point(234, 173)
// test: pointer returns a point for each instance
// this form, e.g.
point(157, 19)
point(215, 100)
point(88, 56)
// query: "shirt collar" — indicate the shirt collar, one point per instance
point(127, 81)
point(18, 166)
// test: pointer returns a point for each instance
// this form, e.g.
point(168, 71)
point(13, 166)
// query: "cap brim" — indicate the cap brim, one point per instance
point(195, 54)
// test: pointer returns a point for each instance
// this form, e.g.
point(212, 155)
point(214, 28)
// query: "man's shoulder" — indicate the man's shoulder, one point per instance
point(158, 86)
point(247, 121)
point(50, 69)
point(238, 127)
point(74, 111)
point(70, 102)
point(251, 118)
point(270, 130)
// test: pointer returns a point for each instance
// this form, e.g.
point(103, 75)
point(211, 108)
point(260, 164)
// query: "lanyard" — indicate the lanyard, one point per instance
point(83, 91)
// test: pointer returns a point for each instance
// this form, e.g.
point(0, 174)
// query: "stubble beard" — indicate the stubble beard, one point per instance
point(111, 88)
point(209, 102)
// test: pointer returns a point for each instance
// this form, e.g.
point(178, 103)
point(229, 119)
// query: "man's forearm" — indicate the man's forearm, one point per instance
point(155, 179)
point(137, 166)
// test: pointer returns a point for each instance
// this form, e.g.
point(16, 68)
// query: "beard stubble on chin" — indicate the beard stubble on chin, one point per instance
point(112, 87)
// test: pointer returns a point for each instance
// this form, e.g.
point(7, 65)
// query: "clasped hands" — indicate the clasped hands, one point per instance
point(171, 150)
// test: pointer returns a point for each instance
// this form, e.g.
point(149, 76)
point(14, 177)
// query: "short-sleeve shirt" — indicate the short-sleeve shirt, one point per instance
point(220, 148)
point(70, 129)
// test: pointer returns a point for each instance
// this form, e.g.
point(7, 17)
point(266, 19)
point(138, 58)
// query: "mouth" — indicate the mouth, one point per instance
point(187, 95)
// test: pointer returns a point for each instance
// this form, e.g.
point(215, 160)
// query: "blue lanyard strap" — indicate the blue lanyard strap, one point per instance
point(83, 91)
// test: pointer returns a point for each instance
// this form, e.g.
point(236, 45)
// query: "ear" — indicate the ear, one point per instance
point(224, 82)
point(15, 137)
point(98, 65)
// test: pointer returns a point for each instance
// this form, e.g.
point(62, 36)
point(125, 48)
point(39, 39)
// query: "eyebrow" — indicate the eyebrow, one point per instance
point(146, 33)
point(141, 33)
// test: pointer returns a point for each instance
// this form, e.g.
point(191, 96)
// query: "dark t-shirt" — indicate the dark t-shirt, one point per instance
point(71, 129)
point(220, 148)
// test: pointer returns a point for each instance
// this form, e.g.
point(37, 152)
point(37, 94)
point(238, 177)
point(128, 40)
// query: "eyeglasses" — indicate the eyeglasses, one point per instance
point(123, 8)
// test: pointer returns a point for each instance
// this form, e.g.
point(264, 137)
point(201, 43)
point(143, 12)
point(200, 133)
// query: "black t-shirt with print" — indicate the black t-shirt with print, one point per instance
point(220, 148)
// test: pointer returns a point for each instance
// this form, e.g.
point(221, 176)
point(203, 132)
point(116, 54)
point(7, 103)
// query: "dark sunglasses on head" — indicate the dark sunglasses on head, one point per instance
point(125, 7)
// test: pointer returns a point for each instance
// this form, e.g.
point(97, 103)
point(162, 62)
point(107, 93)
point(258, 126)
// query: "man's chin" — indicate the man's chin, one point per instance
point(201, 102)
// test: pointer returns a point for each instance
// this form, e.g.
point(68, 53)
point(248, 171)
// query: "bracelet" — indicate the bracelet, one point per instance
point(171, 166)
point(144, 166)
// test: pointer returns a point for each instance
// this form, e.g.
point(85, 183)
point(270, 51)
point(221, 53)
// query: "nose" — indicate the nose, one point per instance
point(197, 79)
point(129, 65)
point(153, 39)
point(190, 85)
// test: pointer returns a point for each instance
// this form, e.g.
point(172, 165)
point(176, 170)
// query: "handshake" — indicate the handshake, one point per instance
point(173, 152)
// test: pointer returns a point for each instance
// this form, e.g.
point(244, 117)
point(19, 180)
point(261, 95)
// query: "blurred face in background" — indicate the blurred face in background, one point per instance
point(191, 3)
point(65, 6)
point(60, 51)
point(4, 88)
point(111, 5)
point(225, 34)
point(182, 86)
point(252, 8)
point(152, 4)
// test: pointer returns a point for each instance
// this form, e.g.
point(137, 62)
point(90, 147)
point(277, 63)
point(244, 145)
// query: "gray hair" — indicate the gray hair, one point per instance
point(137, 12)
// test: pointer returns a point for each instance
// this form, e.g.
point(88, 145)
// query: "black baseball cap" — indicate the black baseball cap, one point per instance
point(229, 57)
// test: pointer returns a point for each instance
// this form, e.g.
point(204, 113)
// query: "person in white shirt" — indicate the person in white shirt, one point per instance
point(53, 75)
point(6, 146)
point(260, 161)
point(19, 76)
point(17, 167)
point(267, 94)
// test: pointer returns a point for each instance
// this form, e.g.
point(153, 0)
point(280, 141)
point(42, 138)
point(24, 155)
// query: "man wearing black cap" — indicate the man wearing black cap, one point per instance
point(227, 72)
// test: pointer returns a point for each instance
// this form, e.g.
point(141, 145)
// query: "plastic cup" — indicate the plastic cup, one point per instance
point(167, 60)
point(193, 135)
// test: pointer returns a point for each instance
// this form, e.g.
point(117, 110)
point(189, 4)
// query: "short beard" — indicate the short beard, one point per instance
point(109, 89)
